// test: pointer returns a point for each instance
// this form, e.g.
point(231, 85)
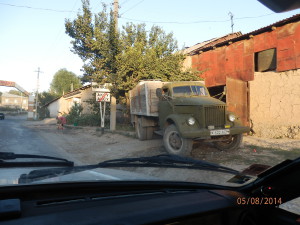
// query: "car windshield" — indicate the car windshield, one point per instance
point(191, 90)
point(84, 83)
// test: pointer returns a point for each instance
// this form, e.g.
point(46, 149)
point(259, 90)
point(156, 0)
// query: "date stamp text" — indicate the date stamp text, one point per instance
point(258, 201)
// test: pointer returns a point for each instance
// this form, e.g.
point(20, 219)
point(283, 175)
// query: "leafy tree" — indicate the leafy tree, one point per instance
point(44, 98)
point(15, 92)
point(95, 42)
point(124, 58)
point(62, 82)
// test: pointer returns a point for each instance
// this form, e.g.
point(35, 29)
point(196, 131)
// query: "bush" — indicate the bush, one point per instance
point(74, 113)
point(88, 120)
point(43, 113)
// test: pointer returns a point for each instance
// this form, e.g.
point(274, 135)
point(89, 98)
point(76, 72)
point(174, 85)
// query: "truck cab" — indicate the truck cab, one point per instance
point(187, 113)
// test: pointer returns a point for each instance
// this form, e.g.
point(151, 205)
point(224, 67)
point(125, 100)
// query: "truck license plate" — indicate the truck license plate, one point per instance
point(220, 132)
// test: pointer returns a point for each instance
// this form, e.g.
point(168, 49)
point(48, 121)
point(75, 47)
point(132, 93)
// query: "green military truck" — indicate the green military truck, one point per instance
point(183, 112)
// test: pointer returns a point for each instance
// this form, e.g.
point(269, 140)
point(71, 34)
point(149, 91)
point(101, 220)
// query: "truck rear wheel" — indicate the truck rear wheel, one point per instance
point(232, 144)
point(175, 144)
point(143, 133)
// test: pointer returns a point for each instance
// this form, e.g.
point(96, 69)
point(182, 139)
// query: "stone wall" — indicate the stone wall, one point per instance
point(275, 104)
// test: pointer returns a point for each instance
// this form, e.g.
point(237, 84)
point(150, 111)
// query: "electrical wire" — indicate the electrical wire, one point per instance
point(194, 22)
point(143, 21)
point(123, 3)
point(44, 9)
point(132, 7)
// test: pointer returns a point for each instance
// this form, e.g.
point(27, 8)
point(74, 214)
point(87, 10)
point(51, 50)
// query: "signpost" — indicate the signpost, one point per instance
point(102, 98)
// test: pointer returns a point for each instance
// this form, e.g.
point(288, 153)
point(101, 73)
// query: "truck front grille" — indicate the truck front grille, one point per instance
point(214, 115)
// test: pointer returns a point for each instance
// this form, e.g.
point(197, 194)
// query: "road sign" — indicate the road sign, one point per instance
point(100, 87)
point(103, 97)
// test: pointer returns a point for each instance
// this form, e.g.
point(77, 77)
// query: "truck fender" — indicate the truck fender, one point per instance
point(178, 120)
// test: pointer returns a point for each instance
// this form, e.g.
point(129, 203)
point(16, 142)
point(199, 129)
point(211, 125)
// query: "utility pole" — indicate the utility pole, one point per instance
point(116, 13)
point(113, 106)
point(231, 18)
point(37, 92)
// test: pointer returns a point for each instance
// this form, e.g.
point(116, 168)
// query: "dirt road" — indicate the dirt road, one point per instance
point(86, 145)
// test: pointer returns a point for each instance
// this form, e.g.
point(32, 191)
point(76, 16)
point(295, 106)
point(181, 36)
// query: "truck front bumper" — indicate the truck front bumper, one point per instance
point(206, 133)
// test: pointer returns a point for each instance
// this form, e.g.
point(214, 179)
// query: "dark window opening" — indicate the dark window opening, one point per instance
point(265, 60)
point(218, 92)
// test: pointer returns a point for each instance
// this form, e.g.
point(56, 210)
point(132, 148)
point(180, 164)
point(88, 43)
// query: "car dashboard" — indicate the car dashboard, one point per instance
point(132, 203)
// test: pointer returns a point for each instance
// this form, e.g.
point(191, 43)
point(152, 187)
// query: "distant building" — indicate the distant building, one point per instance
point(64, 103)
point(14, 101)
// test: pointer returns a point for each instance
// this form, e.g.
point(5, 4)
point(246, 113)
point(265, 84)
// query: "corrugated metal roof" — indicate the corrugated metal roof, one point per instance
point(280, 23)
point(211, 42)
point(67, 94)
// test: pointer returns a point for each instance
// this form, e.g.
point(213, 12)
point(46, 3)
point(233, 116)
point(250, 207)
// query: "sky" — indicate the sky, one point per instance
point(33, 33)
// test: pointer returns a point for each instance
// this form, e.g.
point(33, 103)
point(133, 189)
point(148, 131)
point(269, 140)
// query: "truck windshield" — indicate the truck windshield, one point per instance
point(189, 90)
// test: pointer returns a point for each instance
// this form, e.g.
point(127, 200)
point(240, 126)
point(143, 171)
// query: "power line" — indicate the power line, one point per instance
point(176, 22)
point(124, 2)
point(35, 8)
point(132, 7)
point(195, 22)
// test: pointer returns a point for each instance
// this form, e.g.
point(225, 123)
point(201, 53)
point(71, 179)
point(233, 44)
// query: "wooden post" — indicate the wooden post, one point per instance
point(113, 113)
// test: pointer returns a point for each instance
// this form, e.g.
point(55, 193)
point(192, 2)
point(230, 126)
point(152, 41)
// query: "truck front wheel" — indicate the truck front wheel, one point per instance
point(232, 144)
point(175, 144)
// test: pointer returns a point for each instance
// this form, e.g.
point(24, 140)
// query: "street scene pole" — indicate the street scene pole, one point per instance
point(113, 107)
point(231, 19)
point(37, 92)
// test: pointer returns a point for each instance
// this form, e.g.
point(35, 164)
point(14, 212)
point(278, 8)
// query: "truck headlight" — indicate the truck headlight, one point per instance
point(191, 121)
point(231, 117)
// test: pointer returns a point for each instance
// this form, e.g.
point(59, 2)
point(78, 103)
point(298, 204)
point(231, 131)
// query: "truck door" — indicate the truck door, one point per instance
point(164, 107)
point(237, 98)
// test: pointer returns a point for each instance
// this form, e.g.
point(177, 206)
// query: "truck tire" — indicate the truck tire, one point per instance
point(231, 145)
point(143, 133)
point(175, 144)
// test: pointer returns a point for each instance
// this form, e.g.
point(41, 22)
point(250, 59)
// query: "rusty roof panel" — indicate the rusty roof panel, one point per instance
point(211, 42)
point(291, 19)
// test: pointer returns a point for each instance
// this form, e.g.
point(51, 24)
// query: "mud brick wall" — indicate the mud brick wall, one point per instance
point(275, 104)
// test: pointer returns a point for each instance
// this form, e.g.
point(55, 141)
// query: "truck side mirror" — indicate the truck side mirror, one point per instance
point(159, 92)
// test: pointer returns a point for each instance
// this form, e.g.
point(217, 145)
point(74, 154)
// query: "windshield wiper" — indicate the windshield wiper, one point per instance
point(162, 161)
point(6, 156)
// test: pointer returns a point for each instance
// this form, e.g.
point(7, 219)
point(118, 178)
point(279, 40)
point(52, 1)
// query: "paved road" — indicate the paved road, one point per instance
point(19, 139)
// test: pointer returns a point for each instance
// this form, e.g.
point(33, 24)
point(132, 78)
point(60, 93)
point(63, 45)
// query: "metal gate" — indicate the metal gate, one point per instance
point(237, 98)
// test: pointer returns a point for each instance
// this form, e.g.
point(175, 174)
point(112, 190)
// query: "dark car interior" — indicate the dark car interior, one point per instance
point(155, 202)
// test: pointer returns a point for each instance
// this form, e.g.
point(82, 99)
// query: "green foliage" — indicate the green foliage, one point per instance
point(44, 98)
point(74, 113)
point(88, 120)
point(75, 117)
point(124, 58)
point(15, 92)
point(95, 41)
point(62, 82)
point(95, 107)
point(43, 112)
